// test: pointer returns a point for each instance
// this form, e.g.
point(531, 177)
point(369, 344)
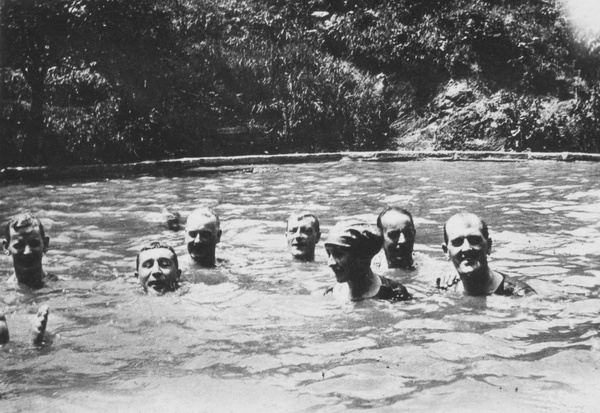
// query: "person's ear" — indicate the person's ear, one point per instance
point(219, 232)
point(445, 249)
point(489, 246)
point(178, 274)
point(5, 247)
point(318, 238)
point(137, 274)
point(46, 244)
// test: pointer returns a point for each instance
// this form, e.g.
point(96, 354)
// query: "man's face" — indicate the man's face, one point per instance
point(340, 260)
point(201, 237)
point(157, 269)
point(467, 248)
point(27, 248)
point(398, 238)
point(302, 236)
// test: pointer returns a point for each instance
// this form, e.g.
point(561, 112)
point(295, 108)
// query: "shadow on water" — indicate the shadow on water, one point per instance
point(257, 334)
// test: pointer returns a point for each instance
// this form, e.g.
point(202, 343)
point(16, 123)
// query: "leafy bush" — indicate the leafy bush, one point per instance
point(120, 81)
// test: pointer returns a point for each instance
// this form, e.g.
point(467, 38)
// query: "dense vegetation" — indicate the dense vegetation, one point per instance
point(102, 81)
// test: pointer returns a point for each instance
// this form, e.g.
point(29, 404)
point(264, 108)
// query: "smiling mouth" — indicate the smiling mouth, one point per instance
point(469, 260)
point(158, 283)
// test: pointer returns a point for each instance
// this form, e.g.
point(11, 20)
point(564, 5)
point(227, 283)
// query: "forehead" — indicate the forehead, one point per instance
point(306, 221)
point(30, 231)
point(198, 222)
point(462, 226)
point(395, 219)
point(155, 254)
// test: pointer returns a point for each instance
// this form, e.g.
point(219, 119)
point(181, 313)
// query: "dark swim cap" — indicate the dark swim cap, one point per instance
point(359, 237)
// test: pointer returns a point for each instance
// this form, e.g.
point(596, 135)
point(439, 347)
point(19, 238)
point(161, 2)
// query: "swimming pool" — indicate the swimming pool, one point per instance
point(256, 334)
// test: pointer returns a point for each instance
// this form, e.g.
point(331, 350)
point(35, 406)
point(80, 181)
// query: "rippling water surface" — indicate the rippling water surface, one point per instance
point(256, 334)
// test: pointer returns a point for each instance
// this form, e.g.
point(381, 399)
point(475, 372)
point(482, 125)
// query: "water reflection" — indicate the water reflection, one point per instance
point(256, 334)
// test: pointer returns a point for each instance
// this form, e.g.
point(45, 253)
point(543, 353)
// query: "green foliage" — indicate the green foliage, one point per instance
point(93, 81)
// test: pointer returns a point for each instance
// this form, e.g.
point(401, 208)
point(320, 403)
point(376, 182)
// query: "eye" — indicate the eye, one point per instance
point(337, 254)
point(193, 234)
point(148, 263)
point(292, 230)
point(457, 242)
point(408, 234)
point(164, 262)
point(307, 231)
point(394, 234)
point(205, 234)
point(475, 239)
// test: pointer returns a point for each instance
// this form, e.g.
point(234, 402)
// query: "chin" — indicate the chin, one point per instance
point(341, 278)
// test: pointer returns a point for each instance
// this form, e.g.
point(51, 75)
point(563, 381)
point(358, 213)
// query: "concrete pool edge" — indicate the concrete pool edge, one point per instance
point(205, 165)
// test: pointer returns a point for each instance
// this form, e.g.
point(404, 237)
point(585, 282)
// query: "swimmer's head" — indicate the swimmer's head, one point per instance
point(350, 247)
point(398, 230)
point(303, 233)
point(467, 243)
point(26, 241)
point(157, 267)
point(202, 234)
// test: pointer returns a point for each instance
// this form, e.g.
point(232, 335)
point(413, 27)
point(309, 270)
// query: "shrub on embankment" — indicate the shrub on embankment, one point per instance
point(99, 81)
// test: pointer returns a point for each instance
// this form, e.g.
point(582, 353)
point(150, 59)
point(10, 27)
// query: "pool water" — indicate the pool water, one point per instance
point(256, 334)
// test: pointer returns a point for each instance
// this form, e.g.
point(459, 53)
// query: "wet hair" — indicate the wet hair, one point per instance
point(360, 238)
point(208, 213)
point(152, 246)
point(397, 209)
point(464, 215)
point(300, 216)
point(23, 220)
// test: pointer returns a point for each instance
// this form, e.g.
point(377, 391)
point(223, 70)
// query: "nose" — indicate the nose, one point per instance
point(466, 245)
point(155, 268)
point(330, 261)
point(27, 250)
point(402, 239)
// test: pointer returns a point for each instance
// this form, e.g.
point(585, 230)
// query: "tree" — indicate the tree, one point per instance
point(35, 38)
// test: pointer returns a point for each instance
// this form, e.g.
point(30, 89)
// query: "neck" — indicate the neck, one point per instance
point(482, 282)
point(206, 261)
point(364, 284)
point(403, 262)
point(306, 258)
point(33, 279)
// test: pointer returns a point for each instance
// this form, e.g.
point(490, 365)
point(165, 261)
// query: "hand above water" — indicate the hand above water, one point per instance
point(446, 281)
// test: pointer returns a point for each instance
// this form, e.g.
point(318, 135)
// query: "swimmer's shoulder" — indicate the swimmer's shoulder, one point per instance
point(392, 290)
point(47, 278)
point(338, 290)
point(512, 287)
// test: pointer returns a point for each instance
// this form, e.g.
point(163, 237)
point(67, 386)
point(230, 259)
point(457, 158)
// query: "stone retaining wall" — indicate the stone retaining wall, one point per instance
point(213, 165)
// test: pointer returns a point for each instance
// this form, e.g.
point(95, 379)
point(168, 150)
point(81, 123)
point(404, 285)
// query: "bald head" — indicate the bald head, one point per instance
point(467, 244)
point(468, 219)
point(202, 234)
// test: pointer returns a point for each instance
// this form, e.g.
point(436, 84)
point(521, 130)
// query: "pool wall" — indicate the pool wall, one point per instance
point(211, 165)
